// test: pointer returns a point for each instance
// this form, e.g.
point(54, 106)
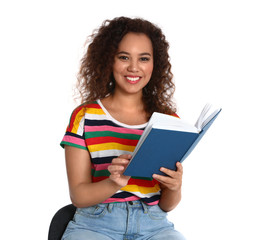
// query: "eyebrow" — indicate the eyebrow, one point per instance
point(141, 54)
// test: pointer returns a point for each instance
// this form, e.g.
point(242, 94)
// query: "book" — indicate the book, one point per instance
point(167, 140)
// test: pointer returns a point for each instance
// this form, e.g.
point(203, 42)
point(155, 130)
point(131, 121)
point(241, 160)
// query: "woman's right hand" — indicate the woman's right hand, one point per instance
point(117, 168)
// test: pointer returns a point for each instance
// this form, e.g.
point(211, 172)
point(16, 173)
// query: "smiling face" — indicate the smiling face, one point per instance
point(133, 63)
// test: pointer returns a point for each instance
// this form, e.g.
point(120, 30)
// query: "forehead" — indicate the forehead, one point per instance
point(136, 42)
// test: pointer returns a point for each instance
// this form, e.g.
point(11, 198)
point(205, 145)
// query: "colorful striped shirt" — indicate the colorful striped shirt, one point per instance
point(92, 128)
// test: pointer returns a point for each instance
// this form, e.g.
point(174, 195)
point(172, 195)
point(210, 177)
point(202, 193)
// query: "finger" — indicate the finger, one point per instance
point(114, 169)
point(168, 172)
point(179, 167)
point(114, 176)
point(173, 173)
point(126, 156)
point(162, 179)
point(121, 161)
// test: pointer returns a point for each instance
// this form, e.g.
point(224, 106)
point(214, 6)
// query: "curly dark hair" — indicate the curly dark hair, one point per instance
point(95, 77)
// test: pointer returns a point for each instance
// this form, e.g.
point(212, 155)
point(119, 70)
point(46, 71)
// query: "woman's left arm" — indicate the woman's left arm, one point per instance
point(170, 187)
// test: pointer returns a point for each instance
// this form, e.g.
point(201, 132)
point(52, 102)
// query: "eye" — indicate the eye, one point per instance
point(123, 57)
point(145, 59)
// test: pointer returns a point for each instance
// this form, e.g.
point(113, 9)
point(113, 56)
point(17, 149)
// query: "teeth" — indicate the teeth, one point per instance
point(133, 78)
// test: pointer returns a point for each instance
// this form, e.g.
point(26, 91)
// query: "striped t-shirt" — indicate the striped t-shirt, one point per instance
point(92, 128)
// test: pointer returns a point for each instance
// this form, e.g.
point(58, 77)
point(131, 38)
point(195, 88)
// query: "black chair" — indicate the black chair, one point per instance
point(59, 222)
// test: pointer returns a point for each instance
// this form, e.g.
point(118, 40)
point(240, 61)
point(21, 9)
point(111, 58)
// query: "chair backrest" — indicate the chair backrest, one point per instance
point(59, 222)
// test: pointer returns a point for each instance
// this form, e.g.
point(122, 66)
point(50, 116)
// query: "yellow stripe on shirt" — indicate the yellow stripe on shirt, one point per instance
point(109, 146)
point(95, 111)
point(77, 121)
point(143, 190)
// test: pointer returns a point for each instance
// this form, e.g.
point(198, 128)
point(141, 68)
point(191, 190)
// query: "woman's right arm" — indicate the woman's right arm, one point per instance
point(83, 192)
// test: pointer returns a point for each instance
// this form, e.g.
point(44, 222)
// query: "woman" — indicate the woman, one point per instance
point(124, 77)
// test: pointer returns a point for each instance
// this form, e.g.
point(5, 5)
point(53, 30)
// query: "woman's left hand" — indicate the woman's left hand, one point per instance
point(172, 180)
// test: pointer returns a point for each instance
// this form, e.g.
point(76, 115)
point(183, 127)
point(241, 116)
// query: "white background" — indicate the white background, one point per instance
point(212, 54)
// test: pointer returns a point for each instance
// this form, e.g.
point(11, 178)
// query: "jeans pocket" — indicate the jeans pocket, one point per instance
point(156, 213)
point(96, 211)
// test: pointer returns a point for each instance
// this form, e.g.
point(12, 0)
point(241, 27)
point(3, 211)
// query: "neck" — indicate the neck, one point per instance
point(129, 102)
point(126, 109)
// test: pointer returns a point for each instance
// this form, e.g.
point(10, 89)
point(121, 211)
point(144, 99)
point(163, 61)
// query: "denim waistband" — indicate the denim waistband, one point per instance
point(127, 205)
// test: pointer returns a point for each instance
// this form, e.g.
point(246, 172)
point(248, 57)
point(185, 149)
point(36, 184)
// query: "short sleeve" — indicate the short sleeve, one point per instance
point(74, 135)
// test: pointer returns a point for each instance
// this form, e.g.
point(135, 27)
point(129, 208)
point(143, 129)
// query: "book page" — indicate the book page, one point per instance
point(205, 116)
point(180, 126)
point(163, 121)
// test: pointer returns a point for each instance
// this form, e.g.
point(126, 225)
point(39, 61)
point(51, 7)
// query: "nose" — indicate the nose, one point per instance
point(133, 66)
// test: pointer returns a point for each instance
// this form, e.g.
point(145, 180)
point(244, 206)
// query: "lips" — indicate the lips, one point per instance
point(133, 79)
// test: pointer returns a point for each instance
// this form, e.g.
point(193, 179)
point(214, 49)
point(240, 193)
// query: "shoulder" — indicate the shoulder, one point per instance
point(83, 108)
point(78, 114)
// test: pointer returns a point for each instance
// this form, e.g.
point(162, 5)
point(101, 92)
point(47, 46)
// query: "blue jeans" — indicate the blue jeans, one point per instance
point(121, 221)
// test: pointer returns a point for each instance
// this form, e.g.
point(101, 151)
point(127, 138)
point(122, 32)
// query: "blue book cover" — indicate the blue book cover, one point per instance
point(165, 146)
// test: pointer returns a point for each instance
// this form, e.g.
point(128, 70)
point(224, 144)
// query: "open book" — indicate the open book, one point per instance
point(167, 140)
